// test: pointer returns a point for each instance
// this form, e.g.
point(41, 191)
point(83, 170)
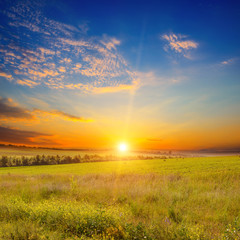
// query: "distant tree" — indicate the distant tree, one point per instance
point(58, 159)
point(43, 160)
point(18, 162)
point(37, 160)
point(4, 161)
point(86, 157)
point(77, 159)
point(67, 159)
point(24, 161)
point(51, 160)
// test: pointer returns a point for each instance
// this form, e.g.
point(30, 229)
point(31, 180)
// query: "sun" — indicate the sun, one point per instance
point(122, 147)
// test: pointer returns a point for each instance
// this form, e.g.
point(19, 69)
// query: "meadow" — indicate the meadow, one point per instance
point(176, 198)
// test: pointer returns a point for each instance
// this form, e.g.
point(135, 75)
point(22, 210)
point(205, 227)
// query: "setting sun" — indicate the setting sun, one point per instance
point(122, 147)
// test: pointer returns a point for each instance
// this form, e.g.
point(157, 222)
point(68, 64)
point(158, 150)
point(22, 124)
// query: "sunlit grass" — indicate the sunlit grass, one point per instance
point(162, 166)
point(192, 198)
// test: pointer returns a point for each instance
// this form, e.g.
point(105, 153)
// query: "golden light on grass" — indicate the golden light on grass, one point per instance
point(122, 147)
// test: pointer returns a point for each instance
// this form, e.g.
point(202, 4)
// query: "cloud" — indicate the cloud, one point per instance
point(46, 51)
point(115, 89)
point(66, 116)
point(27, 82)
point(5, 75)
point(179, 44)
point(11, 135)
point(9, 110)
point(62, 69)
point(111, 43)
point(62, 57)
point(228, 61)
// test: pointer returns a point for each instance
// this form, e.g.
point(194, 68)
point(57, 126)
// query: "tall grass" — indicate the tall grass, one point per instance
point(170, 205)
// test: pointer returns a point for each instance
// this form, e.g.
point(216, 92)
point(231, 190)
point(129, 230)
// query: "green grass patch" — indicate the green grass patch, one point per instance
point(161, 166)
point(191, 198)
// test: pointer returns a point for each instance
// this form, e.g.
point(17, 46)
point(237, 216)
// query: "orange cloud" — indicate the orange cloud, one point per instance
point(66, 116)
point(180, 45)
point(121, 87)
point(46, 72)
point(176, 43)
point(118, 88)
point(46, 51)
point(12, 135)
point(9, 110)
point(27, 82)
point(78, 65)
point(62, 69)
point(3, 74)
point(112, 43)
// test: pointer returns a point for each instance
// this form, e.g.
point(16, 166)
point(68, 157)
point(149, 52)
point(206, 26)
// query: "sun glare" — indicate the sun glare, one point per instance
point(122, 147)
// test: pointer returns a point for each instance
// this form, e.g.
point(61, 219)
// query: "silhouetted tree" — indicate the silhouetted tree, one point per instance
point(4, 161)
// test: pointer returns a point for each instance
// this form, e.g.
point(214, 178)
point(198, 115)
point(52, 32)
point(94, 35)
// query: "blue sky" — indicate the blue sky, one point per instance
point(121, 70)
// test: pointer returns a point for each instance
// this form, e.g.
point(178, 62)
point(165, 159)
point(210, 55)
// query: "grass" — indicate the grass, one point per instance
point(189, 166)
point(190, 198)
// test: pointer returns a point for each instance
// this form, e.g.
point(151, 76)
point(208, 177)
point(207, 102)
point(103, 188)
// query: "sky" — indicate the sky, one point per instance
point(92, 74)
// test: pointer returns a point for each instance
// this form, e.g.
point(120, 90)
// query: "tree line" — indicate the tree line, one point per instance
point(15, 161)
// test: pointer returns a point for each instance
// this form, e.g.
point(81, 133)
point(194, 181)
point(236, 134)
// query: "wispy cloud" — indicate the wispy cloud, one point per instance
point(228, 61)
point(179, 44)
point(111, 43)
point(9, 110)
point(28, 83)
point(61, 114)
point(12, 135)
point(121, 87)
point(5, 75)
point(63, 57)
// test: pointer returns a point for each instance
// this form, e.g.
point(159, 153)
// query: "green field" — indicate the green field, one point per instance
point(182, 198)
